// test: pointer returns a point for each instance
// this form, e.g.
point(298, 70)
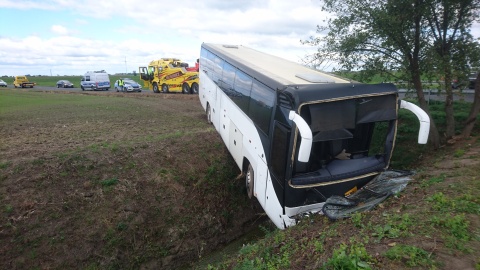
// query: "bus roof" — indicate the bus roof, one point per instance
point(283, 71)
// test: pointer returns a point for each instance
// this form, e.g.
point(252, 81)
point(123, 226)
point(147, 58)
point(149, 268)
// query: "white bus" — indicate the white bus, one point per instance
point(299, 135)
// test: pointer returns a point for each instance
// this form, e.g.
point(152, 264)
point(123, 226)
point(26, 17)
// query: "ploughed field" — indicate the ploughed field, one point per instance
point(103, 180)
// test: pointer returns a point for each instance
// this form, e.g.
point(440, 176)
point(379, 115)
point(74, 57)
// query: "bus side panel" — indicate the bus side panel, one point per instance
point(208, 94)
point(225, 105)
point(203, 90)
point(261, 172)
point(235, 144)
point(273, 208)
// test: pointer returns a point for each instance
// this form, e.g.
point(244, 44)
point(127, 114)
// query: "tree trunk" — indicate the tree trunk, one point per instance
point(449, 117)
point(472, 117)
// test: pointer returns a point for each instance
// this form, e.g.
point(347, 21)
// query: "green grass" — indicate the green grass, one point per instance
point(411, 255)
point(52, 80)
point(349, 257)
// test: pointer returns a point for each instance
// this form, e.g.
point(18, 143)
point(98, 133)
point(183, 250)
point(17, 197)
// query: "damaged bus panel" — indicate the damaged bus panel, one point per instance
point(299, 135)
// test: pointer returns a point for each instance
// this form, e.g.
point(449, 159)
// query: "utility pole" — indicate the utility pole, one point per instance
point(125, 65)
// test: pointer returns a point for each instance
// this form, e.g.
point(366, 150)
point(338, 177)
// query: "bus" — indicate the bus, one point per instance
point(298, 135)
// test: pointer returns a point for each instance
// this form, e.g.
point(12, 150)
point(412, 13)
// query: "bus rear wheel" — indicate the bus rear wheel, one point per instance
point(164, 88)
point(186, 88)
point(155, 88)
point(249, 179)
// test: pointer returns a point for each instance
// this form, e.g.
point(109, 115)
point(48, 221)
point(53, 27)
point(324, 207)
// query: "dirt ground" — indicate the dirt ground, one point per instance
point(118, 182)
point(143, 182)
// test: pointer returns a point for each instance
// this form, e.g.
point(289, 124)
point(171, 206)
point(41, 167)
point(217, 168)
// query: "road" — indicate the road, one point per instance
point(466, 95)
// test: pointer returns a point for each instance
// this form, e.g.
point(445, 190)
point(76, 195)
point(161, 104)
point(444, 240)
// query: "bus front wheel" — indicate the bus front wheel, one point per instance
point(249, 179)
point(155, 88)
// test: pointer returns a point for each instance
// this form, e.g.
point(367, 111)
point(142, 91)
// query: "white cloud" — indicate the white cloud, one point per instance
point(60, 30)
point(144, 32)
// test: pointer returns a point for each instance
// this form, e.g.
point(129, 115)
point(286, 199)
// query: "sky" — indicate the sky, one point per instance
point(70, 37)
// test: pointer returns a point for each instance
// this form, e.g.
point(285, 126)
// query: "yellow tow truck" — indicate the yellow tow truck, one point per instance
point(170, 75)
point(22, 81)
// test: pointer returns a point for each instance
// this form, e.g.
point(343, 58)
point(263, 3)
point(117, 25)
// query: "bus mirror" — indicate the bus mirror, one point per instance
point(422, 117)
point(306, 134)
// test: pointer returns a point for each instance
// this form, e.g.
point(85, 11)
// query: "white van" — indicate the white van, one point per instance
point(95, 80)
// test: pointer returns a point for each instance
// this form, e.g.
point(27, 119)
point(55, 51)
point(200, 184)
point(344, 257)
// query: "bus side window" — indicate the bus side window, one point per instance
point(243, 87)
point(261, 105)
point(208, 63)
point(228, 78)
point(217, 69)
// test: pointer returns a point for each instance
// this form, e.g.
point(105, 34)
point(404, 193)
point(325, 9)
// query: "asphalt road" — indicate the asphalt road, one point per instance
point(77, 89)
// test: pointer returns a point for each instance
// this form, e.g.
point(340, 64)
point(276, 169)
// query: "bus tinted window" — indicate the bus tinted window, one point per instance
point(243, 86)
point(228, 78)
point(261, 105)
point(204, 58)
point(217, 68)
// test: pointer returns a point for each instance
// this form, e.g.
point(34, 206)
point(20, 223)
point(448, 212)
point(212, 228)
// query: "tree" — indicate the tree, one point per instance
point(472, 117)
point(389, 37)
point(449, 24)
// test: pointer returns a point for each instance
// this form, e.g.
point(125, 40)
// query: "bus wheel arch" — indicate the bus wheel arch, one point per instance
point(250, 180)
point(155, 88)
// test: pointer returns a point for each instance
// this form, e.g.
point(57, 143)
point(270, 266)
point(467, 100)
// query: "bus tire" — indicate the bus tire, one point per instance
point(185, 88)
point(209, 114)
point(155, 88)
point(164, 88)
point(249, 180)
point(194, 88)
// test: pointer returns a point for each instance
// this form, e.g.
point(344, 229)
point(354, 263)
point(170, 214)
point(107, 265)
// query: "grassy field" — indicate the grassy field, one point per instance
point(112, 181)
point(52, 80)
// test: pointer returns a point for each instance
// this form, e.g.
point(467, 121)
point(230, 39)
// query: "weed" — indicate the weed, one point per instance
point(465, 203)
point(396, 226)
point(121, 226)
point(319, 247)
point(357, 220)
point(353, 257)
point(433, 180)
point(249, 249)
point(459, 153)
point(8, 209)
point(109, 182)
point(4, 165)
point(457, 226)
point(410, 255)
point(439, 200)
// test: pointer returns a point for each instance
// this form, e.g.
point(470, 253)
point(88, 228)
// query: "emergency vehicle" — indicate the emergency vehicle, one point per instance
point(170, 75)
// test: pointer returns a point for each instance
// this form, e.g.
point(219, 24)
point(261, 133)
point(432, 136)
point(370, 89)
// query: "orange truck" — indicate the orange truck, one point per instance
point(170, 75)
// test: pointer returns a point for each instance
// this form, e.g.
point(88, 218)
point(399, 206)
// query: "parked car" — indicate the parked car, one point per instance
point(3, 83)
point(64, 84)
point(129, 86)
point(472, 78)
